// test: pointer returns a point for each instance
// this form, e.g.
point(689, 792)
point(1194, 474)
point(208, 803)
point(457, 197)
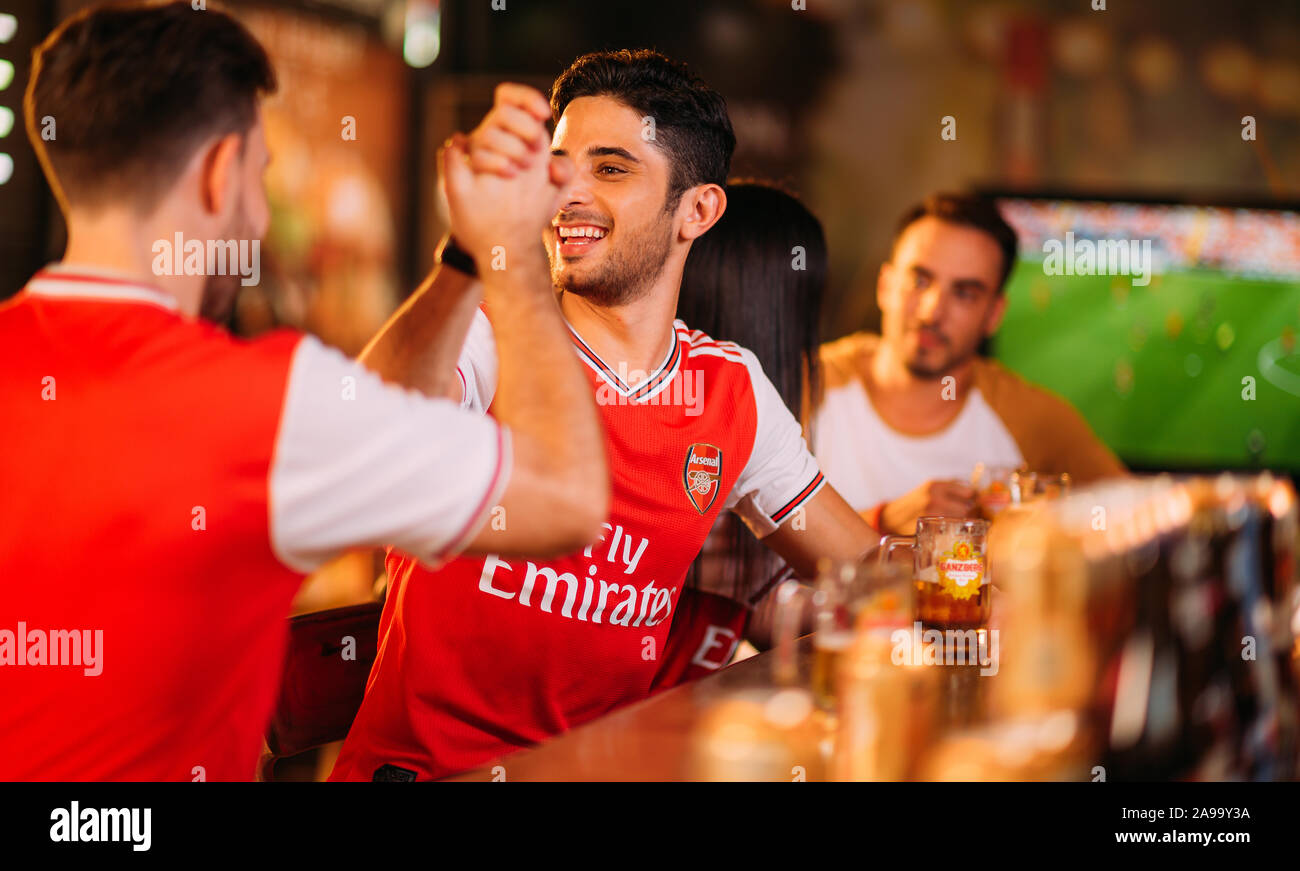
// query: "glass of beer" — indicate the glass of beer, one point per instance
point(993, 488)
point(1032, 486)
point(949, 570)
point(846, 600)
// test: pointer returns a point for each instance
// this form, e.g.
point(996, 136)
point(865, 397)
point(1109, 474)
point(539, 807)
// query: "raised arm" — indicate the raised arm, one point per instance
point(503, 188)
point(362, 463)
point(418, 346)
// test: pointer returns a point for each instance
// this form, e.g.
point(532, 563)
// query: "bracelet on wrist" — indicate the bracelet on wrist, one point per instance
point(457, 258)
point(875, 517)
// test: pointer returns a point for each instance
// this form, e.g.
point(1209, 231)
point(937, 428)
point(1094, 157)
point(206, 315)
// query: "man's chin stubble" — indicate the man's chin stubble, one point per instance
point(606, 296)
point(937, 372)
point(925, 373)
point(606, 290)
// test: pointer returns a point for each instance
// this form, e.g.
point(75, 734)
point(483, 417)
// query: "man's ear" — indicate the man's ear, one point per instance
point(217, 180)
point(994, 318)
point(704, 205)
point(883, 278)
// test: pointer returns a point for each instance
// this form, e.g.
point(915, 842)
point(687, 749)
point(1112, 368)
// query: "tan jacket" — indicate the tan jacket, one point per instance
point(1051, 435)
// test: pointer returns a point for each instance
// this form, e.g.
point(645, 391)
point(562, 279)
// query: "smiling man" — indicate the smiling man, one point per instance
point(489, 655)
point(907, 414)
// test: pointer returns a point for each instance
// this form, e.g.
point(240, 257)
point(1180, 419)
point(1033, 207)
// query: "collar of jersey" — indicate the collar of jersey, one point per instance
point(90, 282)
point(658, 380)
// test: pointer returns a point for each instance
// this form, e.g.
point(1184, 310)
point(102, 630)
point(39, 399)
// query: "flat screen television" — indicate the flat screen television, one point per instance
point(1171, 326)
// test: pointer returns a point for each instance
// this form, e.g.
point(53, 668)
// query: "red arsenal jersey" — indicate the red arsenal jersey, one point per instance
point(491, 654)
point(713, 615)
point(706, 631)
point(163, 488)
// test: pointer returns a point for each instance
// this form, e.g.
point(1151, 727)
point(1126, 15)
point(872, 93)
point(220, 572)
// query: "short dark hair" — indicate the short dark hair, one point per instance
point(133, 89)
point(691, 121)
point(967, 210)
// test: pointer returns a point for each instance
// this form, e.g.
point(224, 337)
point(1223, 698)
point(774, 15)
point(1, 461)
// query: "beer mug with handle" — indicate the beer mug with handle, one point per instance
point(949, 568)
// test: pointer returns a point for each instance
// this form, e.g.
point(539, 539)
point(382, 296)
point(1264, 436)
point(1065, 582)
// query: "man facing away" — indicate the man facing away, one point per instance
point(492, 654)
point(906, 415)
point(166, 486)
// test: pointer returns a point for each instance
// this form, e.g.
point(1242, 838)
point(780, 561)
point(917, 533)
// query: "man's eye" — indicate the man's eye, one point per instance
point(919, 281)
point(608, 167)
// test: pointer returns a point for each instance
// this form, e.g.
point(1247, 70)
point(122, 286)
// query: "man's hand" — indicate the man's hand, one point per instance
point(503, 187)
point(946, 498)
point(502, 183)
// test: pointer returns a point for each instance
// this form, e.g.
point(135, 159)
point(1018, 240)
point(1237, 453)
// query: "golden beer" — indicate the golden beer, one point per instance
point(829, 649)
point(951, 573)
point(936, 607)
point(993, 489)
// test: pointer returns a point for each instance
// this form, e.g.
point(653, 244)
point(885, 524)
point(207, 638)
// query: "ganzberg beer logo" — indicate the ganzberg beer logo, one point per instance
point(702, 475)
point(961, 571)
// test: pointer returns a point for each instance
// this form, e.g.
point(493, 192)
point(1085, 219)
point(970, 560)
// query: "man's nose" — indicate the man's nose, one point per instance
point(930, 307)
point(576, 193)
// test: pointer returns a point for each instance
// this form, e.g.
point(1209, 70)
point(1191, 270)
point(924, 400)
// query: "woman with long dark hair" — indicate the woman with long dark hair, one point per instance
point(757, 278)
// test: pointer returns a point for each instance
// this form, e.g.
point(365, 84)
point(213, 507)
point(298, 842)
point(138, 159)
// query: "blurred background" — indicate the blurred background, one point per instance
point(842, 101)
point(1174, 120)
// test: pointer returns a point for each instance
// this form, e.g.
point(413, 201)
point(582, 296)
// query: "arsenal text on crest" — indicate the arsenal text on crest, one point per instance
point(702, 475)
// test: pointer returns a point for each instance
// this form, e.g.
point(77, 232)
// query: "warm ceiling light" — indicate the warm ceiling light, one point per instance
point(423, 39)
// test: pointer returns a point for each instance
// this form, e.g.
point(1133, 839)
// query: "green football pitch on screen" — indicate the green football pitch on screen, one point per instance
point(1198, 369)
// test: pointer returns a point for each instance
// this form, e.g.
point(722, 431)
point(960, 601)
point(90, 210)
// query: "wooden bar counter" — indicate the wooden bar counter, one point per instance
point(646, 741)
point(652, 739)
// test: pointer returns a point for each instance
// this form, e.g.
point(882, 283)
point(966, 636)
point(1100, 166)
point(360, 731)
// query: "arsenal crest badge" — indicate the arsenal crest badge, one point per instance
point(702, 475)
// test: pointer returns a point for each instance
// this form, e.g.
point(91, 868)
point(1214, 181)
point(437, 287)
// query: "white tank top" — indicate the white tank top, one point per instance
point(868, 462)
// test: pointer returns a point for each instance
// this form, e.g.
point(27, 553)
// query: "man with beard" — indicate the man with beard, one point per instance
point(166, 486)
point(491, 654)
point(907, 415)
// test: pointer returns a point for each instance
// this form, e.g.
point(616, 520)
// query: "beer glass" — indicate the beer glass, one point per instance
point(1032, 486)
point(993, 488)
point(949, 570)
point(846, 601)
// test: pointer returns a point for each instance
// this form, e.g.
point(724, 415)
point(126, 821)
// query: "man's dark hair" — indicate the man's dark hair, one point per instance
point(967, 210)
point(133, 89)
point(690, 118)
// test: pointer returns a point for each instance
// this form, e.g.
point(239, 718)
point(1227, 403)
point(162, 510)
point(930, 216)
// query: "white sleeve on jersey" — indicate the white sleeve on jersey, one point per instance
point(361, 463)
point(477, 366)
point(781, 474)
